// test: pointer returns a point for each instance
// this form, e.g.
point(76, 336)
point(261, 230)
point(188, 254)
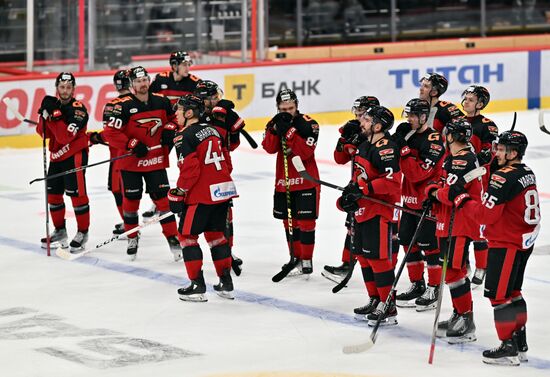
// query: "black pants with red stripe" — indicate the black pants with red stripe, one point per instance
point(74, 185)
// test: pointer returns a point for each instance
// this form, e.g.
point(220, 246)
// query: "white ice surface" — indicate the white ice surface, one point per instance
point(69, 310)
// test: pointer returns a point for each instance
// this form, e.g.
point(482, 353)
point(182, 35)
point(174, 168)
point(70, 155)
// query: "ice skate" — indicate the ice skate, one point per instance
point(149, 214)
point(521, 342)
point(236, 265)
point(57, 239)
point(79, 242)
point(443, 326)
point(506, 354)
point(175, 248)
point(407, 299)
point(479, 277)
point(336, 273)
point(428, 300)
point(195, 291)
point(362, 312)
point(118, 230)
point(132, 248)
point(225, 287)
point(463, 330)
point(389, 317)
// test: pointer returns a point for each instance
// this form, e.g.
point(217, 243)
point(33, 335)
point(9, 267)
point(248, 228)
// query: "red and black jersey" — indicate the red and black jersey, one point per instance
point(445, 112)
point(129, 118)
point(454, 168)
point(230, 139)
point(66, 129)
point(165, 84)
point(509, 208)
point(204, 172)
point(376, 170)
point(420, 166)
point(485, 132)
point(301, 140)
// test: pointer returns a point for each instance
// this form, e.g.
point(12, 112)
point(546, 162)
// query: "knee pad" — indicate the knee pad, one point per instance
point(454, 275)
point(499, 304)
point(133, 194)
point(215, 238)
point(189, 240)
point(55, 199)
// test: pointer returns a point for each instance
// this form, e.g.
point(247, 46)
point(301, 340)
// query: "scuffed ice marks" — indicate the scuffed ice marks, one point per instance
point(105, 349)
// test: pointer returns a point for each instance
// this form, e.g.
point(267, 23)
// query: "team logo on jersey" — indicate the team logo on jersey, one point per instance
point(384, 152)
point(151, 124)
point(133, 110)
point(498, 178)
point(239, 89)
point(460, 163)
point(164, 86)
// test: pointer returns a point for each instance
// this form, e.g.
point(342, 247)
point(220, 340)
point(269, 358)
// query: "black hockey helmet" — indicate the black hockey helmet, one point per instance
point(65, 76)
point(286, 95)
point(137, 72)
point(121, 79)
point(206, 89)
point(362, 103)
point(514, 140)
point(480, 92)
point(193, 102)
point(417, 106)
point(177, 57)
point(382, 115)
point(460, 129)
point(439, 82)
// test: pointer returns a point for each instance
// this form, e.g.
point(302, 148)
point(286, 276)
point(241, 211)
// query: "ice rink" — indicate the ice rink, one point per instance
point(103, 315)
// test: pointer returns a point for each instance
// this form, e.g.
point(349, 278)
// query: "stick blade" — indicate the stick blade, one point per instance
point(298, 164)
point(13, 108)
point(541, 122)
point(358, 348)
point(476, 173)
point(65, 253)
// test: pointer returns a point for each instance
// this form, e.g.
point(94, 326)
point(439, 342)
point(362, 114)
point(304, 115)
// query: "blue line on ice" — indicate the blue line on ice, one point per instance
point(272, 302)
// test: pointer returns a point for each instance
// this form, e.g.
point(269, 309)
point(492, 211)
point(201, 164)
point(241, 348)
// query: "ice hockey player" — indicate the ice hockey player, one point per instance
point(121, 81)
point(63, 120)
point(474, 99)
point(173, 84)
point(433, 86)
point(220, 114)
point(460, 160)
point(422, 152)
point(290, 133)
point(510, 209)
point(138, 122)
point(204, 189)
point(377, 175)
point(346, 148)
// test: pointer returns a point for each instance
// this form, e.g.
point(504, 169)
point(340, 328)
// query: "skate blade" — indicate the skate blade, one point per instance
point(361, 317)
point(511, 361)
point(177, 257)
point(392, 321)
point(523, 357)
point(77, 250)
point(441, 334)
point(475, 286)
point(225, 294)
point(461, 339)
point(198, 297)
point(425, 308)
point(132, 257)
point(405, 304)
point(332, 277)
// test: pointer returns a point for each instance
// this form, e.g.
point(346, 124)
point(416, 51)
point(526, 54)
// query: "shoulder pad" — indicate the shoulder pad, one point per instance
point(124, 99)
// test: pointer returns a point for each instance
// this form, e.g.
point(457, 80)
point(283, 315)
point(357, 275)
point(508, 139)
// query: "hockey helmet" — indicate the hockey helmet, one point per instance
point(138, 72)
point(206, 89)
point(439, 82)
point(514, 140)
point(417, 106)
point(362, 103)
point(382, 115)
point(65, 76)
point(121, 79)
point(480, 92)
point(177, 57)
point(191, 101)
point(460, 129)
point(286, 95)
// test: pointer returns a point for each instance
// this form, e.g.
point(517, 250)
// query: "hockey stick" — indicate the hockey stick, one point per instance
point(249, 138)
point(64, 253)
point(541, 122)
point(514, 121)
point(18, 115)
point(89, 166)
point(293, 262)
point(16, 112)
point(299, 165)
point(441, 284)
point(362, 347)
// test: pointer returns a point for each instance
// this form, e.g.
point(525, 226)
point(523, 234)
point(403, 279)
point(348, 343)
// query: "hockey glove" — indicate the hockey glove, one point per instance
point(428, 203)
point(350, 129)
point(461, 199)
point(282, 123)
point(138, 148)
point(226, 104)
point(233, 121)
point(352, 193)
point(176, 198)
point(484, 157)
point(95, 138)
point(48, 105)
point(431, 190)
point(168, 134)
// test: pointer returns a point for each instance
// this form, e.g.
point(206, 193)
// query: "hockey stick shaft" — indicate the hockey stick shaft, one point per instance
point(441, 285)
point(16, 113)
point(64, 253)
point(70, 171)
point(372, 339)
point(249, 138)
point(541, 122)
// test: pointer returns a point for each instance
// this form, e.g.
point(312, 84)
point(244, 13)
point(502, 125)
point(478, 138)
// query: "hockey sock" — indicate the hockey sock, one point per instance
point(130, 215)
point(169, 227)
point(118, 201)
point(481, 249)
point(461, 294)
point(219, 248)
point(82, 212)
point(347, 247)
point(383, 276)
point(434, 269)
point(394, 249)
point(368, 278)
point(57, 210)
point(307, 238)
point(415, 264)
point(296, 246)
point(230, 226)
point(520, 307)
point(192, 256)
point(505, 319)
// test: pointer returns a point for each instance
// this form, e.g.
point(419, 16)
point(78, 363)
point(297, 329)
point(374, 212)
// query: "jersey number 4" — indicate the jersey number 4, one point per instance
point(214, 157)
